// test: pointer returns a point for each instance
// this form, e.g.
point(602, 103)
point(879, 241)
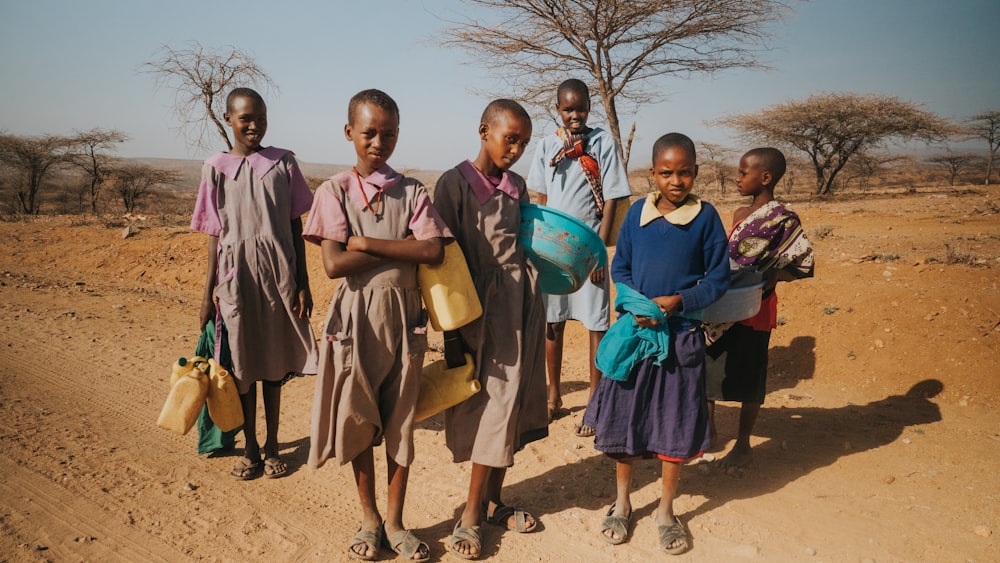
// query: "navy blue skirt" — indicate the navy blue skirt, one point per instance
point(660, 410)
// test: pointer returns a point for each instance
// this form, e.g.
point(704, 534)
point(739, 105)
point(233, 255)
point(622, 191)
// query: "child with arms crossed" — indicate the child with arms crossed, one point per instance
point(374, 226)
point(250, 203)
point(480, 201)
point(578, 171)
point(669, 264)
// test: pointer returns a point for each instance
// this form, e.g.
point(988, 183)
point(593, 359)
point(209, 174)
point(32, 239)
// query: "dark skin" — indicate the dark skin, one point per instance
point(373, 130)
point(247, 117)
point(673, 172)
point(756, 181)
point(573, 108)
point(503, 142)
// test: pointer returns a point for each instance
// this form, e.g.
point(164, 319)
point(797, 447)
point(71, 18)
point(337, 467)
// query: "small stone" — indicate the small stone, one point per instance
point(810, 551)
point(964, 401)
point(879, 343)
point(190, 487)
point(127, 232)
point(570, 456)
point(906, 440)
point(983, 531)
point(889, 479)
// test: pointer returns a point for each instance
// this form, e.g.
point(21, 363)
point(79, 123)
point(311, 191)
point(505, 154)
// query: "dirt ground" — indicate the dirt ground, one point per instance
point(879, 440)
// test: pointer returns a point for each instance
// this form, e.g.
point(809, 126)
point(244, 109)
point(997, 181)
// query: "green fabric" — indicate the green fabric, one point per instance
point(210, 438)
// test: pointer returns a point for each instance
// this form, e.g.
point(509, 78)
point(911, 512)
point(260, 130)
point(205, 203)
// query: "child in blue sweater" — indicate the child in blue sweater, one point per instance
point(670, 263)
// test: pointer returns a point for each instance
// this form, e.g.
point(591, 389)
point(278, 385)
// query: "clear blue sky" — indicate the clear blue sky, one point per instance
point(71, 65)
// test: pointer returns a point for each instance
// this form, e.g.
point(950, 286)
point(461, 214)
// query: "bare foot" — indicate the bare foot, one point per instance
point(740, 456)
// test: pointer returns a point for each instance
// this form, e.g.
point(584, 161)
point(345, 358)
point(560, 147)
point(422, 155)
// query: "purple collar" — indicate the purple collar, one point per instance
point(261, 162)
point(483, 186)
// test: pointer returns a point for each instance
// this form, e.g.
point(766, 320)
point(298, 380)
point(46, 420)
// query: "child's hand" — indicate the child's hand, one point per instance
point(645, 322)
point(357, 244)
point(304, 304)
point(597, 276)
point(669, 303)
point(207, 312)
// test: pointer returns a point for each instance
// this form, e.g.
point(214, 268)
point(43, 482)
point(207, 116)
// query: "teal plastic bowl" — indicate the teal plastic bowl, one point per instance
point(563, 249)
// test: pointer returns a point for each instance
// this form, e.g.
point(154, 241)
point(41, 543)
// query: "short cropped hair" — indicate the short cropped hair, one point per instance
point(578, 87)
point(770, 160)
point(374, 97)
point(496, 108)
point(674, 140)
point(242, 93)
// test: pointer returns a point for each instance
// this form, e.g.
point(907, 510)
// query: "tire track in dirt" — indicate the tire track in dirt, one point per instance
point(156, 473)
point(69, 527)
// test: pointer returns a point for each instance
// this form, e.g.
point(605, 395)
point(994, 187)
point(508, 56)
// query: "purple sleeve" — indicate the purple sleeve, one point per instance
point(206, 208)
point(426, 222)
point(302, 198)
point(327, 218)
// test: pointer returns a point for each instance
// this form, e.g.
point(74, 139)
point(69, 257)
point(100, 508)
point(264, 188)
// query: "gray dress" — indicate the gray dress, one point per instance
point(374, 340)
point(508, 340)
point(249, 204)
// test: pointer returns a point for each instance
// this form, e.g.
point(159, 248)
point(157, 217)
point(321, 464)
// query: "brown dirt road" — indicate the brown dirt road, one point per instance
point(849, 466)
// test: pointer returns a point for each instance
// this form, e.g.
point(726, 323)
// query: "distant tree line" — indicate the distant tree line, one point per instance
point(29, 163)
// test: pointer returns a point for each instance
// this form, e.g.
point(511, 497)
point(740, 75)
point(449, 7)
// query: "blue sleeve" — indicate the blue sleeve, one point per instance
point(715, 252)
point(539, 168)
point(614, 179)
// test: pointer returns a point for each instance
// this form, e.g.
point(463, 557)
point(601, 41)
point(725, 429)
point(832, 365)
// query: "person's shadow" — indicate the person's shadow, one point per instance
point(800, 441)
point(787, 365)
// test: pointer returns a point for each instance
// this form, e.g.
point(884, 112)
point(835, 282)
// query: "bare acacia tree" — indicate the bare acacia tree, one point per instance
point(90, 155)
point(833, 128)
point(31, 159)
point(863, 167)
point(131, 182)
point(722, 161)
point(953, 163)
point(201, 79)
point(619, 45)
point(986, 125)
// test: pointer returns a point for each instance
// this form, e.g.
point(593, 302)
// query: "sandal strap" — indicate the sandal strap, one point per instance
point(406, 544)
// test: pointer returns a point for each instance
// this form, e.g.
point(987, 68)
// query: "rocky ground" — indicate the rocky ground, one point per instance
point(879, 440)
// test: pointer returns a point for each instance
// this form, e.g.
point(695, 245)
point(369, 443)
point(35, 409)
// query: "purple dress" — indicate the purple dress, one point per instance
point(375, 333)
point(507, 342)
point(249, 203)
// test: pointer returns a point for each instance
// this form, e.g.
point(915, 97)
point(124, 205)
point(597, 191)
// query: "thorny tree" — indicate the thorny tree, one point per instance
point(201, 79)
point(619, 46)
point(953, 163)
point(32, 158)
point(833, 128)
point(90, 155)
point(986, 125)
point(721, 160)
point(132, 182)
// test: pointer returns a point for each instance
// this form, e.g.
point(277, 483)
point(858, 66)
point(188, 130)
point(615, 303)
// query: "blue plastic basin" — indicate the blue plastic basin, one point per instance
point(563, 249)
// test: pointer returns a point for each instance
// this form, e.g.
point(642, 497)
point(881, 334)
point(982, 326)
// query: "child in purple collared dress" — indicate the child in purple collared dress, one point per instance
point(374, 226)
point(250, 203)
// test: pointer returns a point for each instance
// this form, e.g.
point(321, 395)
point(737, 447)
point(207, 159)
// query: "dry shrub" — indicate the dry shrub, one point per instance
point(820, 232)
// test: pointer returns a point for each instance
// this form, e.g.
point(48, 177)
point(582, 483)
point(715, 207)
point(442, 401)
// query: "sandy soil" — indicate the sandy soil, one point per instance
point(858, 457)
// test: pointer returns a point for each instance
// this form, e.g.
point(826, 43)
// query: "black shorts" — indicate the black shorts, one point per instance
point(736, 365)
